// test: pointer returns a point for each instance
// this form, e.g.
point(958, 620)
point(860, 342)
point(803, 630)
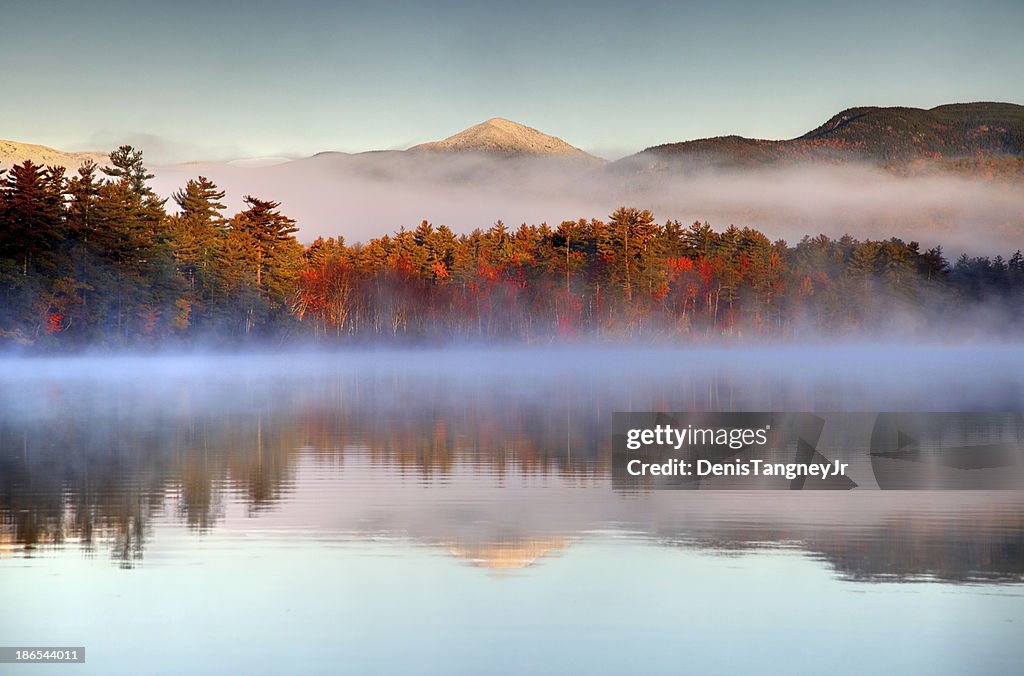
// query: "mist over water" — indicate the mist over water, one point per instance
point(416, 490)
point(811, 377)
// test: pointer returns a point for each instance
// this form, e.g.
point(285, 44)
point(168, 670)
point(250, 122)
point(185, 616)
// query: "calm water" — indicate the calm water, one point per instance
point(451, 511)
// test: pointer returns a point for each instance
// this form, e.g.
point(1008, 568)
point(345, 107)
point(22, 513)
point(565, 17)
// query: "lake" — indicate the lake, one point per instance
point(452, 511)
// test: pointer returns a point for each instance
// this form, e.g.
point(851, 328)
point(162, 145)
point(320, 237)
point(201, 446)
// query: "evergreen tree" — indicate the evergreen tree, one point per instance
point(32, 232)
point(127, 167)
point(135, 280)
point(262, 238)
point(200, 233)
point(626, 245)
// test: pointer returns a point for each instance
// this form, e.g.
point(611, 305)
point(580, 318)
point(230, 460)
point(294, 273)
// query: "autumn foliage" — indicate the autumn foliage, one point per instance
point(92, 260)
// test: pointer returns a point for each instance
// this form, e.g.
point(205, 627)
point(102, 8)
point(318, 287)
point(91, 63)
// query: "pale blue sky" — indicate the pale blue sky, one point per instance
point(188, 80)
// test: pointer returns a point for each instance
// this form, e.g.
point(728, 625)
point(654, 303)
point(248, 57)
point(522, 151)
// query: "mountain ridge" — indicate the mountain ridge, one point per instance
point(16, 152)
point(874, 134)
point(990, 132)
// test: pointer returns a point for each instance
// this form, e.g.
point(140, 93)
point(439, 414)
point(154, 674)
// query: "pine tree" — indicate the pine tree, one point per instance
point(127, 167)
point(139, 284)
point(627, 245)
point(264, 238)
point(33, 222)
point(32, 260)
point(83, 190)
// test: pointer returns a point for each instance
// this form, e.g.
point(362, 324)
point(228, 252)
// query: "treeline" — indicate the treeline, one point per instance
point(96, 259)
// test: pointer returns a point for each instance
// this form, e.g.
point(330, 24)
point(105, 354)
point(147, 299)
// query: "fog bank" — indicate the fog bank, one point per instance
point(372, 194)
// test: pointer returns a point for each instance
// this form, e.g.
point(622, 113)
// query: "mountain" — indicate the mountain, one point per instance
point(884, 136)
point(499, 136)
point(12, 152)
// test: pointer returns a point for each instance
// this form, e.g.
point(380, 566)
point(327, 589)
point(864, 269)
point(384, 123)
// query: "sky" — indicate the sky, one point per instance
point(191, 80)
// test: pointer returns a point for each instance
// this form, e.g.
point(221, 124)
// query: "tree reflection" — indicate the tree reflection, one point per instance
point(101, 473)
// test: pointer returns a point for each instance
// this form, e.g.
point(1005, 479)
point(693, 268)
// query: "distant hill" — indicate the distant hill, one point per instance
point(499, 136)
point(12, 152)
point(885, 136)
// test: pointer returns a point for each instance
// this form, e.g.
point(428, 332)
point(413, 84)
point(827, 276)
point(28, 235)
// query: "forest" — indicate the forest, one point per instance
point(97, 260)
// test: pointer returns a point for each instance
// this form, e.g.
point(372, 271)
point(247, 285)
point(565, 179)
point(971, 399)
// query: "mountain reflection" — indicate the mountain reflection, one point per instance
point(509, 555)
point(500, 471)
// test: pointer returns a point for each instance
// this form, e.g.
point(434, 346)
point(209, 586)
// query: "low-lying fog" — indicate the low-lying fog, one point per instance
point(596, 379)
point(372, 194)
point(499, 456)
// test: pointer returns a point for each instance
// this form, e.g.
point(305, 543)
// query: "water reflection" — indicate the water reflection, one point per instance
point(500, 459)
